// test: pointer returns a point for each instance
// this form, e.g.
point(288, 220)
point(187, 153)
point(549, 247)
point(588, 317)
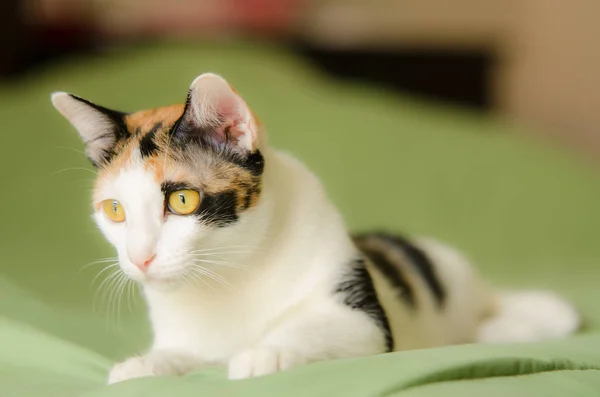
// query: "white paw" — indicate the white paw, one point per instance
point(152, 364)
point(261, 361)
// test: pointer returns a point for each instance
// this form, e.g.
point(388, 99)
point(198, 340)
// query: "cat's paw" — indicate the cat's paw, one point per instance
point(261, 361)
point(151, 364)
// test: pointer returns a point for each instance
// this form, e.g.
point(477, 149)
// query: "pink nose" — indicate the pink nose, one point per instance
point(146, 264)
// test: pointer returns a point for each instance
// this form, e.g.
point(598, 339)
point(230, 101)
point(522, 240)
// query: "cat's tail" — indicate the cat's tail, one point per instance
point(526, 316)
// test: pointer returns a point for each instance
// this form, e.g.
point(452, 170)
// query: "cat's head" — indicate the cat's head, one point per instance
point(171, 180)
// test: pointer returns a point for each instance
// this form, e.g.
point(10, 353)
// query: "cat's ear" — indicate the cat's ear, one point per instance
point(216, 114)
point(100, 128)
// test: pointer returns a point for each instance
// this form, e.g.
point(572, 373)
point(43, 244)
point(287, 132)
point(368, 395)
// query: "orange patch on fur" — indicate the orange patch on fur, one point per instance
point(144, 120)
point(157, 166)
point(205, 171)
point(122, 158)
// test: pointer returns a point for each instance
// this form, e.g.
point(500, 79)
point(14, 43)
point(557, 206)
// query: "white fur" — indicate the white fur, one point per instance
point(146, 232)
point(467, 302)
point(527, 316)
point(473, 312)
point(263, 300)
point(277, 312)
point(93, 126)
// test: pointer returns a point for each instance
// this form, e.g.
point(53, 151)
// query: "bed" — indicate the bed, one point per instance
point(524, 211)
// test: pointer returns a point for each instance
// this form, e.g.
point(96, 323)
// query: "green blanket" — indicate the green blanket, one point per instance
point(525, 212)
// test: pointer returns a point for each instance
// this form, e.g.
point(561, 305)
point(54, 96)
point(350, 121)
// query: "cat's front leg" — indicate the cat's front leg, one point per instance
point(261, 361)
point(154, 363)
point(307, 336)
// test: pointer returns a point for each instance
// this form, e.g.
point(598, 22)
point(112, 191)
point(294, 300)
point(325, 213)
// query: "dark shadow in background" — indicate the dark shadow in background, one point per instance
point(460, 77)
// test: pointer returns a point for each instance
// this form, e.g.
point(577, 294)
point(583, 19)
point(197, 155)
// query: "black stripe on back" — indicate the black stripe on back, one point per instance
point(358, 293)
point(393, 274)
point(423, 265)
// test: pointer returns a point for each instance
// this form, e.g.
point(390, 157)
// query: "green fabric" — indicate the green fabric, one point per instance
point(525, 212)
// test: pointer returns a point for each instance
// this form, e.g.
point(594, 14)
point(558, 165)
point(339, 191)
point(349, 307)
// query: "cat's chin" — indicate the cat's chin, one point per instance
point(163, 284)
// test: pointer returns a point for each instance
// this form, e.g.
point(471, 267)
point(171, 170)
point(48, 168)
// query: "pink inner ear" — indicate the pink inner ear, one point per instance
point(221, 113)
point(228, 112)
point(235, 120)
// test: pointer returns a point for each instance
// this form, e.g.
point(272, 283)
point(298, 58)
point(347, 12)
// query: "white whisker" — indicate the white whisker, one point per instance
point(131, 294)
point(104, 284)
point(106, 290)
point(104, 270)
point(221, 263)
point(225, 248)
point(210, 261)
point(74, 169)
point(99, 262)
point(190, 275)
point(212, 275)
point(220, 253)
point(119, 298)
point(72, 149)
point(111, 304)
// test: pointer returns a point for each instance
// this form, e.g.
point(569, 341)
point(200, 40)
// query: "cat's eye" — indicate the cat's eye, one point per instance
point(184, 202)
point(113, 210)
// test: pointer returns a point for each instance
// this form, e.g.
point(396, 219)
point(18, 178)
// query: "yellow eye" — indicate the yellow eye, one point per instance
point(184, 202)
point(113, 210)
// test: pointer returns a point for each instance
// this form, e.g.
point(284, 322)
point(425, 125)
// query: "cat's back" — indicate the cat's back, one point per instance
point(429, 291)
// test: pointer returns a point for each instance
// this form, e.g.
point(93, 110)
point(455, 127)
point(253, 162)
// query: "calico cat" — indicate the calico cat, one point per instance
point(245, 262)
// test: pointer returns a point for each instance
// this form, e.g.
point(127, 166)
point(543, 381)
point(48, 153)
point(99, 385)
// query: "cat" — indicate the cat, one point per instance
point(245, 262)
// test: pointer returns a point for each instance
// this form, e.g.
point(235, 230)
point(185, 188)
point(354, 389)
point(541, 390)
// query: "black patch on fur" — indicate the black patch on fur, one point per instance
point(170, 187)
point(393, 274)
point(253, 188)
point(359, 294)
point(147, 145)
point(119, 132)
point(184, 136)
point(420, 262)
point(184, 133)
point(247, 199)
point(253, 162)
point(218, 209)
point(185, 130)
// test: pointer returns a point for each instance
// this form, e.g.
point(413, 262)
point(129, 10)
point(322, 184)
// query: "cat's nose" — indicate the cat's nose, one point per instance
point(143, 265)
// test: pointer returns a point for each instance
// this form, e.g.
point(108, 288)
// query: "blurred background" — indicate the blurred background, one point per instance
point(535, 60)
point(472, 121)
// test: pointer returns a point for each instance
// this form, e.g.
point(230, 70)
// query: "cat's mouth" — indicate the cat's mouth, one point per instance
point(163, 282)
point(163, 277)
point(176, 272)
